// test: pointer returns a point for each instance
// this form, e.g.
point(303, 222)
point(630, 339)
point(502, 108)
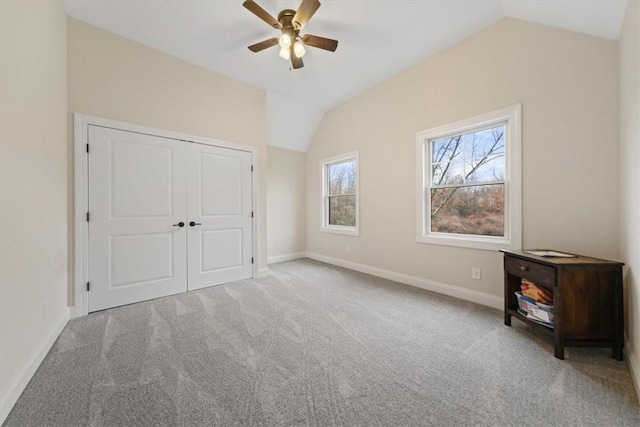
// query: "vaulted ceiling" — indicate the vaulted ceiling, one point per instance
point(378, 39)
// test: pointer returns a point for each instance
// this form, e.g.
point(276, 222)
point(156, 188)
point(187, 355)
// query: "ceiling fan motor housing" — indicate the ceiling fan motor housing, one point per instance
point(285, 18)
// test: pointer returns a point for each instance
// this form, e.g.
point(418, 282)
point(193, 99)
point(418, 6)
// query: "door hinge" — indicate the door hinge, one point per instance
point(251, 260)
point(87, 148)
point(251, 214)
point(87, 216)
point(88, 286)
point(251, 168)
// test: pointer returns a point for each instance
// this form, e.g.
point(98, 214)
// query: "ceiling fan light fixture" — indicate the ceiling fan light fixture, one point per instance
point(285, 41)
point(285, 53)
point(290, 22)
point(298, 49)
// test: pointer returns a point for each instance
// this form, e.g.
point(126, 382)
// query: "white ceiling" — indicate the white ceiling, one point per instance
point(377, 39)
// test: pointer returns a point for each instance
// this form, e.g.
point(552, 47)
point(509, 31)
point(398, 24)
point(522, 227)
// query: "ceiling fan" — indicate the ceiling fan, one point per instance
point(290, 23)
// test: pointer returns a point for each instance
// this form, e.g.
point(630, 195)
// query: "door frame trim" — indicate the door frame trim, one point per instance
point(81, 123)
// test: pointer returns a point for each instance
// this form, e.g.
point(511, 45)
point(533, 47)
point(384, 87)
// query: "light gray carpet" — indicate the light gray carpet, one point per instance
point(318, 345)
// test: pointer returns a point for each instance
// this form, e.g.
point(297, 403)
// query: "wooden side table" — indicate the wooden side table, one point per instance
point(587, 298)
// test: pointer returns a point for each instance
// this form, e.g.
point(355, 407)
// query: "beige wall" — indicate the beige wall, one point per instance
point(285, 203)
point(33, 160)
point(568, 86)
point(115, 78)
point(630, 178)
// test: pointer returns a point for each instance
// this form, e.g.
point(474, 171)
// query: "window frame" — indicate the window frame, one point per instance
point(512, 239)
point(324, 164)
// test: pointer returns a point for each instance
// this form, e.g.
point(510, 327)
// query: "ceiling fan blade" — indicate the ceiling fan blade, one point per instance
point(261, 13)
point(263, 45)
point(296, 62)
point(304, 13)
point(320, 42)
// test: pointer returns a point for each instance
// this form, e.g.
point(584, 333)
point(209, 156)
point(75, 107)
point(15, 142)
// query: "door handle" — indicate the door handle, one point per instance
point(192, 223)
point(180, 224)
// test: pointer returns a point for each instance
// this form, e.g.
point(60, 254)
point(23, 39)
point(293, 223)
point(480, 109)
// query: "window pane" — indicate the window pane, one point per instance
point(472, 157)
point(342, 210)
point(448, 173)
point(342, 178)
point(476, 210)
point(483, 142)
point(446, 149)
point(485, 169)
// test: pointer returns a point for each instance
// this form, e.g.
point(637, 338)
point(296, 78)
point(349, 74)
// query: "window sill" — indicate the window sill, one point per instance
point(470, 242)
point(347, 231)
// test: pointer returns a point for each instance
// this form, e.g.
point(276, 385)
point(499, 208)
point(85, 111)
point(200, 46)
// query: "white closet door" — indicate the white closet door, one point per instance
point(137, 191)
point(219, 207)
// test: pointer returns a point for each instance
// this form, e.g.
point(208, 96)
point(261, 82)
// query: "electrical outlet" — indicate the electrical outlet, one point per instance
point(476, 273)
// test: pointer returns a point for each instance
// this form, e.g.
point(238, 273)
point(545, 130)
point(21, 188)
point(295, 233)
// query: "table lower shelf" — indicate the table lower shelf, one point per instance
point(561, 342)
point(522, 318)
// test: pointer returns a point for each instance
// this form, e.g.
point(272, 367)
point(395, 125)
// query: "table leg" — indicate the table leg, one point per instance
point(507, 319)
point(617, 353)
point(558, 350)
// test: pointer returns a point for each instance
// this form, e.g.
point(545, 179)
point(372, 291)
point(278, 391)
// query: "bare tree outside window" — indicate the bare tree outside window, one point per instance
point(342, 193)
point(468, 183)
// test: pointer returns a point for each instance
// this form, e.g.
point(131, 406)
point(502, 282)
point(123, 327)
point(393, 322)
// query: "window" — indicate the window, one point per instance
point(340, 194)
point(468, 184)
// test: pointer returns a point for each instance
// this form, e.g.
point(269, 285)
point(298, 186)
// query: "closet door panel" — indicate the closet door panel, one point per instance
point(137, 191)
point(221, 249)
point(219, 207)
point(220, 184)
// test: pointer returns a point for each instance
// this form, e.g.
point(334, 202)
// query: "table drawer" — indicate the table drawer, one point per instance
point(537, 273)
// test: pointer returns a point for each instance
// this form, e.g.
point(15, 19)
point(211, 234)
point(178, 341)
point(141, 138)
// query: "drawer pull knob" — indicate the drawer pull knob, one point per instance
point(523, 268)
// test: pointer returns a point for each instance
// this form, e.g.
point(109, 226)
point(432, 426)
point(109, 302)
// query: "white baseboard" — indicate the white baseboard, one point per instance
point(418, 282)
point(17, 385)
point(263, 272)
point(285, 257)
point(634, 366)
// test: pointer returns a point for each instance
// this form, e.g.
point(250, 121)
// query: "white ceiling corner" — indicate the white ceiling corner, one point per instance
point(602, 18)
point(290, 124)
point(372, 36)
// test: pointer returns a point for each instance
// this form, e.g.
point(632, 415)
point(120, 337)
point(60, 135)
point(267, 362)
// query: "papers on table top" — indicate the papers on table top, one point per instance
point(550, 254)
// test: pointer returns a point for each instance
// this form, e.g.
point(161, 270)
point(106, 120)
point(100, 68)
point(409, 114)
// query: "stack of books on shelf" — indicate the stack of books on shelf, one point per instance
point(535, 303)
